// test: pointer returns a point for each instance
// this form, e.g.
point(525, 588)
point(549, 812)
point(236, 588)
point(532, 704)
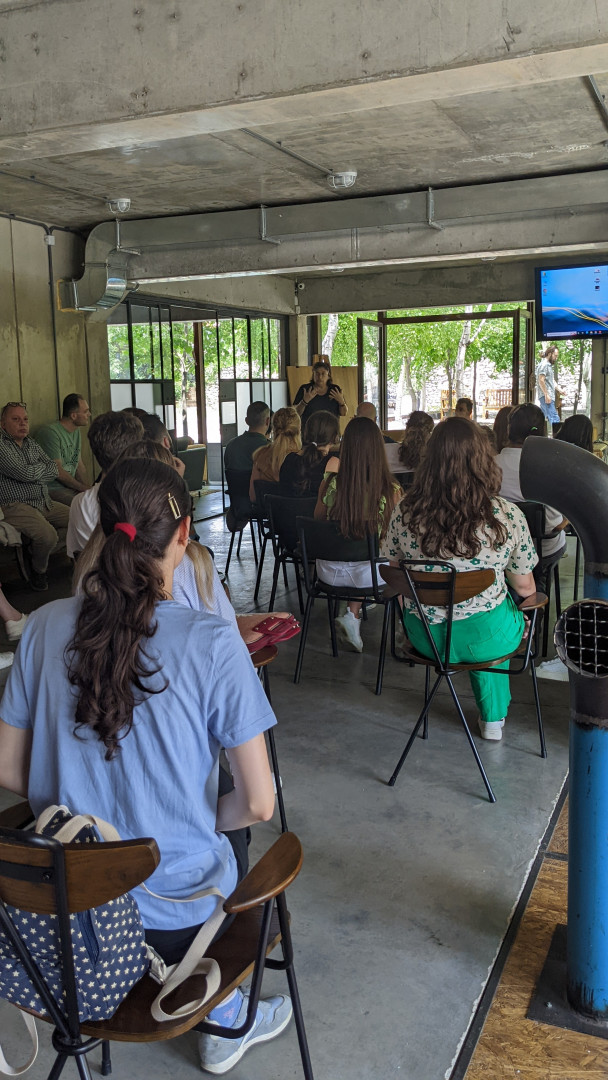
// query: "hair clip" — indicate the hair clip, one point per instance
point(173, 504)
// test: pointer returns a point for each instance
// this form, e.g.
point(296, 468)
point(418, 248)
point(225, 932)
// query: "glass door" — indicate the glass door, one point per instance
point(371, 365)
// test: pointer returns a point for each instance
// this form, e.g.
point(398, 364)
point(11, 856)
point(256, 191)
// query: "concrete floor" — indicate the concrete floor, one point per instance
point(405, 893)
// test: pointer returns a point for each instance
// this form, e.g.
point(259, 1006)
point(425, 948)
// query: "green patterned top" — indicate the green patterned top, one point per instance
point(517, 554)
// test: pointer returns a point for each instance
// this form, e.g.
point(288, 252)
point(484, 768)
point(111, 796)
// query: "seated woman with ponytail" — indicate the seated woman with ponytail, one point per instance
point(118, 703)
point(302, 472)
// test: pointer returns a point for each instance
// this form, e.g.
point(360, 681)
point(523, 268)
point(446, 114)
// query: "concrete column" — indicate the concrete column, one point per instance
point(298, 340)
point(599, 400)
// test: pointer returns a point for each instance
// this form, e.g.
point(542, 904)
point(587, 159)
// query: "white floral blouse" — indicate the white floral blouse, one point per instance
point(517, 554)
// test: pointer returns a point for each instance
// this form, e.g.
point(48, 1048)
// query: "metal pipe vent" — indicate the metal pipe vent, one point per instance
point(581, 638)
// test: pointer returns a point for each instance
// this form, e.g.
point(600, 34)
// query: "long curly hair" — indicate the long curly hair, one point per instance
point(417, 433)
point(106, 658)
point(449, 505)
point(363, 482)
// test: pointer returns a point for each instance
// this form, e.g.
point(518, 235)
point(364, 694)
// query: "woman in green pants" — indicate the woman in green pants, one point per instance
point(453, 512)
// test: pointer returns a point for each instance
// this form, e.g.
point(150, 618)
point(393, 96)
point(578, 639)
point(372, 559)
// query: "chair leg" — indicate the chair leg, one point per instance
point(106, 1060)
point(58, 1066)
point(258, 580)
point(273, 755)
point(383, 640)
point(275, 581)
point(253, 543)
point(577, 568)
point(303, 636)
point(558, 595)
point(287, 949)
point(229, 553)
point(332, 627)
point(238, 550)
point(427, 684)
point(541, 733)
point(546, 616)
point(491, 795)
point(83, 1067)
point(296, 569)
point(285, 578)
point(419, 722)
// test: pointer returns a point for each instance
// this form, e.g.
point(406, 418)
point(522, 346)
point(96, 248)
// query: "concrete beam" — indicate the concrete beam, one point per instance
point(268, 295)
point(435, 286)
point(79, 75)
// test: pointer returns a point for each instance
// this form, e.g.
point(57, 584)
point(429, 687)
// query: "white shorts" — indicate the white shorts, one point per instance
point(346, 575)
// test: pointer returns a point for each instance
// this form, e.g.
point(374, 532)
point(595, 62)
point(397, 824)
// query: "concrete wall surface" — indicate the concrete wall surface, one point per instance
point(70, 62)
point(45, 353)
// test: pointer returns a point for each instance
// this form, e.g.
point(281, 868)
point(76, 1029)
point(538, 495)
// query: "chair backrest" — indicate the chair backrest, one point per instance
point(262, 489)
point(441, 587)
point(42, 876)
point(323, 540)
point(535, 515)
point(238, 481)
point(282, 514)
point(194, 461)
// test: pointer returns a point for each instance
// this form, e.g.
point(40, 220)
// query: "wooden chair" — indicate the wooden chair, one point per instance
point(446, 587)
point(240, 513)
point(41, 875)
point(261, 660)
point(323, 540)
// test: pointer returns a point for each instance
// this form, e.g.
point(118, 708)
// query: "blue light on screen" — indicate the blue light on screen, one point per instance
point(574, 301)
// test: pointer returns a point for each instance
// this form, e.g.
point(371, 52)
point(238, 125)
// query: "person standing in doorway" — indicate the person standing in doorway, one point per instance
point(321, 393)
point(547, 387)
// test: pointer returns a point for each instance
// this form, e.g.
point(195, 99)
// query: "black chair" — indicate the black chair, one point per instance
point(262, 489)
point(323, 540)
point(445, 587)
point(39, 874)
point(282, 514)
point(536, 516)
point(240, 513)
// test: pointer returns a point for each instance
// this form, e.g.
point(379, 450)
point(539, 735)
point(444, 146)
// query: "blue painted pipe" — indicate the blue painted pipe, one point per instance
point(576, 483)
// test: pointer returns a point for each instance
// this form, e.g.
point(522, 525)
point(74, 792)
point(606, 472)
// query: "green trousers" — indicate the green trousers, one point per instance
point(477, 638)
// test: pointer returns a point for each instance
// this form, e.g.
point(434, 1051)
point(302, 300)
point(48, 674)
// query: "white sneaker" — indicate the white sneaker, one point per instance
point(492, 730)
point(218, 1055)
point(553, 669)
point(15, 628)
point(349, 630)
point(6, 659)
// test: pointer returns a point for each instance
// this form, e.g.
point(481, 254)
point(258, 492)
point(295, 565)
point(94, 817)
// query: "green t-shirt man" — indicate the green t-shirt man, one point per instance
point(59, 443)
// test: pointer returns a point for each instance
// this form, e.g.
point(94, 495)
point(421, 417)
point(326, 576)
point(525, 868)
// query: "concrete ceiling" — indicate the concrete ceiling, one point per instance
point(522, 131)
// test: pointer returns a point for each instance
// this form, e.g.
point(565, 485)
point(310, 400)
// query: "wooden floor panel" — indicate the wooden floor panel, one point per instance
point(559, 840)
point(511, 1047)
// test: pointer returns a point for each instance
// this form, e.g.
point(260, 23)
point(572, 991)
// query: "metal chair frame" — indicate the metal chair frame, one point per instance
point(323, 540)
point(237, 481)
point(444, 586)
point(49, 880)
point(282, 514)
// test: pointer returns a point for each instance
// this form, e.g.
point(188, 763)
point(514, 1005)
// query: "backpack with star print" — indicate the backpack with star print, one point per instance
point(108, 942)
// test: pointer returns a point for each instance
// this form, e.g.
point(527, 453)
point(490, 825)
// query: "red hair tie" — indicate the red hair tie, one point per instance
point(130, 530)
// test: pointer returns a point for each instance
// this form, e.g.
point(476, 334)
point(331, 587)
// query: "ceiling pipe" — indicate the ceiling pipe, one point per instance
point(391, 230)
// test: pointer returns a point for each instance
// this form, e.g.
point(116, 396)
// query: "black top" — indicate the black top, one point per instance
point(297, 482)
point(319, 402)
point(239, 453)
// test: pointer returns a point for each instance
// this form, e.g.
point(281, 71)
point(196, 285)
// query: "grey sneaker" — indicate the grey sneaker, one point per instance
point(219, 1055)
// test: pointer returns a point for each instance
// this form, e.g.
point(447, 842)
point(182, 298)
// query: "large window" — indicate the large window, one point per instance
point(172, 360)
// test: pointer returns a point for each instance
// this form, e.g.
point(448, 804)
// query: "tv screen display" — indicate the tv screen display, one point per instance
point(572, 301)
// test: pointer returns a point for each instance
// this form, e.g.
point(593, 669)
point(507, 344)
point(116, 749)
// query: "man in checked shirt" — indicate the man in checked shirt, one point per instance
point(26, 504)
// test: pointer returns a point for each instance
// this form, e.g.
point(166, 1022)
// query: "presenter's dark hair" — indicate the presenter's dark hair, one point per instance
point(107, 660)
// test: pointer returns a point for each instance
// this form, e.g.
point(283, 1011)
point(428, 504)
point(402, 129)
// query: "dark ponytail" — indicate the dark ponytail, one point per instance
point(108, 663)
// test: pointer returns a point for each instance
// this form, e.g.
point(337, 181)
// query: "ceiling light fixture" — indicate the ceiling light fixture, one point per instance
point(118, 206)
point(339, 181)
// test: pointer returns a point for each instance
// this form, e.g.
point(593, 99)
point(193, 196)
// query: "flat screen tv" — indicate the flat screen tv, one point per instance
point(572, 301)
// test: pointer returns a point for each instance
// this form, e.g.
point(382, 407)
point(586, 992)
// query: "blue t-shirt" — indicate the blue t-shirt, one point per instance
point(164, 780)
